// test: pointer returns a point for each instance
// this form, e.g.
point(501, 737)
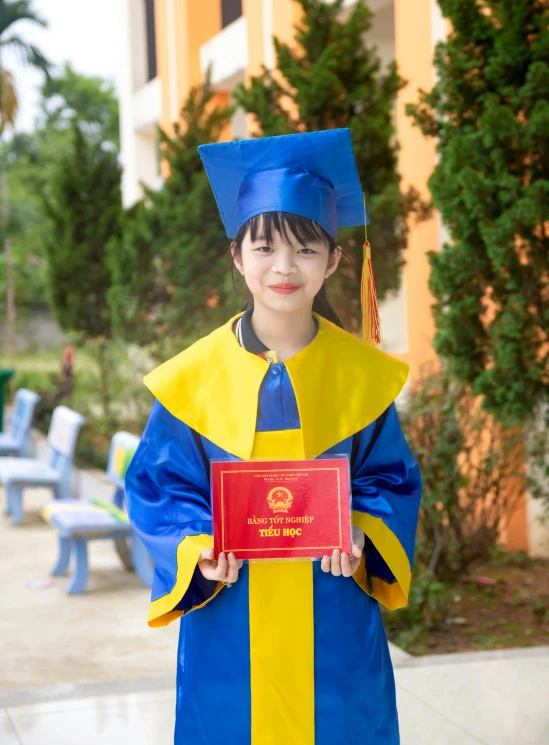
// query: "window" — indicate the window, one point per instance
point(151, 39)
point(230, 11)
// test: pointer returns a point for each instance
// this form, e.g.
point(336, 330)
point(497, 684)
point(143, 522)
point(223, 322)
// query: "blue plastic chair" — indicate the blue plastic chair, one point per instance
point(17, 440)
point(16, 474)
point(77, 522)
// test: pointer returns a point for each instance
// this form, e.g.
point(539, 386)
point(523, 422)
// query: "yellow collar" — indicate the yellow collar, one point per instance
point(340, 383)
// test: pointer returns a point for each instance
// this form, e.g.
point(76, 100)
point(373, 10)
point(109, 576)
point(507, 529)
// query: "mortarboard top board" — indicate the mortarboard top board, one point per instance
point(313, 174)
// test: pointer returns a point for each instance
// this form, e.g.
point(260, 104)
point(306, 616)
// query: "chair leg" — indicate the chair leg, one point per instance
point(123, 551)
point(7, 507)
point(63, 559)
point(142, 562)
point(15, 503)
point(62, 491)
point(79, 577)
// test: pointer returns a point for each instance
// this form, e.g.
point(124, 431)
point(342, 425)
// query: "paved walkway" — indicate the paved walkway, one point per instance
point(493, 698)
point(125, 689)
point(49, 638)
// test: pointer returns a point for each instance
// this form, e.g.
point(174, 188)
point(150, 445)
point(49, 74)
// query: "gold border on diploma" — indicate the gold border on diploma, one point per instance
point(280, 470)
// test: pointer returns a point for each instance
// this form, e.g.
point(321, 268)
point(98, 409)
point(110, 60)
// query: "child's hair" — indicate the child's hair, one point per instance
point(303, 230)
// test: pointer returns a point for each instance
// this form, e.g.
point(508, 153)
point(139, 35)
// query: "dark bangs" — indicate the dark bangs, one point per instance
point(301, 229)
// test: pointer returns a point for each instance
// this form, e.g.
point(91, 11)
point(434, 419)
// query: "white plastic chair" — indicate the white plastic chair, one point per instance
point(77, 522)
point(16, 474)
point(16, 441)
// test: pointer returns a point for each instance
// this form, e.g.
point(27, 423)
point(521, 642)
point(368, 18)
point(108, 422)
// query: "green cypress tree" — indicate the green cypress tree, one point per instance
point(330, 79)
point(171, 276)
point(84, 208)
point(489, 111)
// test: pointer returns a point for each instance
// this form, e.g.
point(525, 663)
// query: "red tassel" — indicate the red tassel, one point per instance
point(371, 325)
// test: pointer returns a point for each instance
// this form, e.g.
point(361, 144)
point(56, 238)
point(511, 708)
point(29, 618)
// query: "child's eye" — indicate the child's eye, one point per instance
point(307, 251)
point(263, 249)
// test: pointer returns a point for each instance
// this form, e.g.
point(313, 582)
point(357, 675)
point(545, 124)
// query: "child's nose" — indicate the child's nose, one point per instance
point(284, 265)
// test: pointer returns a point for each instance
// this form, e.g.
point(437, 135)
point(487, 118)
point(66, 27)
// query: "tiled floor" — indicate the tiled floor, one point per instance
point(498, 702)
point(487, 699)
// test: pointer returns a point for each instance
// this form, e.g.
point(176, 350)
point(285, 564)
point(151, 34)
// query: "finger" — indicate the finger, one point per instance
point(232, 574)
point(222, 565)
point(355, 563)
point(207, 554)
point(336, 563)
point(357, 551)
point(240, 563)
point(325, 564)
point(207, 570)
point(346, 568)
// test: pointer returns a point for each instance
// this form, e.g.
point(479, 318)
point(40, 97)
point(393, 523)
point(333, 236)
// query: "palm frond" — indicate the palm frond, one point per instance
point(17, 10)
point(28, 53)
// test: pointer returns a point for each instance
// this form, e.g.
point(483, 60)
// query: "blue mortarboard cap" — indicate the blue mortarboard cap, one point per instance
point(312, 174)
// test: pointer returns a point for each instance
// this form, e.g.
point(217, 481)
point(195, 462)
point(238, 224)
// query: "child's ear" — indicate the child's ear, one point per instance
point(237, 258)
point(333, 261)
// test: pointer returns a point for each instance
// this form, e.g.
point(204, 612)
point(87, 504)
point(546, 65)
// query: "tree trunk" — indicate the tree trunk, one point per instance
point(8, 253)
point(10, 279)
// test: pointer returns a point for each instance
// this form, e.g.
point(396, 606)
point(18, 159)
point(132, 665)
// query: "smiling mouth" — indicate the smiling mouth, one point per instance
point(284, 288)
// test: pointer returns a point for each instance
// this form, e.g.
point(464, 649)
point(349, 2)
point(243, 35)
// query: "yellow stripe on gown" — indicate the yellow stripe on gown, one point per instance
point(281, 631)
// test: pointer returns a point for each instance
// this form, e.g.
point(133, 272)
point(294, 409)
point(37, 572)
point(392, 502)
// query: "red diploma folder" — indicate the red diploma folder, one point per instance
point(281, 509)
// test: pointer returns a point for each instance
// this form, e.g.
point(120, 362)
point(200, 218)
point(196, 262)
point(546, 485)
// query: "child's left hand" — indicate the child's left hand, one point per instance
point(341, 563)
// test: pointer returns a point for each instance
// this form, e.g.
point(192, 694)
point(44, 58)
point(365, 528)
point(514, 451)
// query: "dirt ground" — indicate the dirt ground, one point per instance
point(48, 637)
point(500, 606)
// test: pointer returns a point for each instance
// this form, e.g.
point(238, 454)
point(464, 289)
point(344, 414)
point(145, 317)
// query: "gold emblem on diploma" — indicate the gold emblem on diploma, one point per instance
point(280, 499)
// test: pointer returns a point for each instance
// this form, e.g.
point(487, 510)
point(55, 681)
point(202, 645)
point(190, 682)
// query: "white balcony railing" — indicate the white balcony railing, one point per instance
point(147, 105)
point(374, 5)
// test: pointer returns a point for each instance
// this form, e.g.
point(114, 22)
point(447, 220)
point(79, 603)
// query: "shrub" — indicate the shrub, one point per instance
point(471, 485)
point(471, 473)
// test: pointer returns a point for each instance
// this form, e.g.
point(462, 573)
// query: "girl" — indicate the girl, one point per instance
point(279, 653)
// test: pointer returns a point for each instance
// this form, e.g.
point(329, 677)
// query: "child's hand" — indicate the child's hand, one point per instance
point(222, 570)
point(342, 564)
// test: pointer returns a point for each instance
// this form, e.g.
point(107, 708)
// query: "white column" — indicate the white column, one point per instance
point(536, 511)
point(127, 134)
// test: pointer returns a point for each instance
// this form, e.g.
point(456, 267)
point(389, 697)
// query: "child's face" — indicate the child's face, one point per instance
point(285, 277)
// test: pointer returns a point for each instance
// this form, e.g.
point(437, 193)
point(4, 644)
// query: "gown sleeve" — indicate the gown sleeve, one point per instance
point(168, 502)
point(386, 488)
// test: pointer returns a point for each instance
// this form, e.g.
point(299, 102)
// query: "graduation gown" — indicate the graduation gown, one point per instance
point(288, 654)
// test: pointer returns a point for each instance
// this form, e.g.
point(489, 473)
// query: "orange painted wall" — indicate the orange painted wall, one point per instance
point(195, 23)
point(183, 50)
point(253, 10)
point(204, 21)
point(162, 60)
point(416, 163)
point(286, 14)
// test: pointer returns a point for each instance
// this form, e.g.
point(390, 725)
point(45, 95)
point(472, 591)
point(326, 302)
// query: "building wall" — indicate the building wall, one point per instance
point(413, 22)
point(189, 38)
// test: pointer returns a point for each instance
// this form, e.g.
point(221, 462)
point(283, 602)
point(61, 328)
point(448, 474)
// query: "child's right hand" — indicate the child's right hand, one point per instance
point(222, 570)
